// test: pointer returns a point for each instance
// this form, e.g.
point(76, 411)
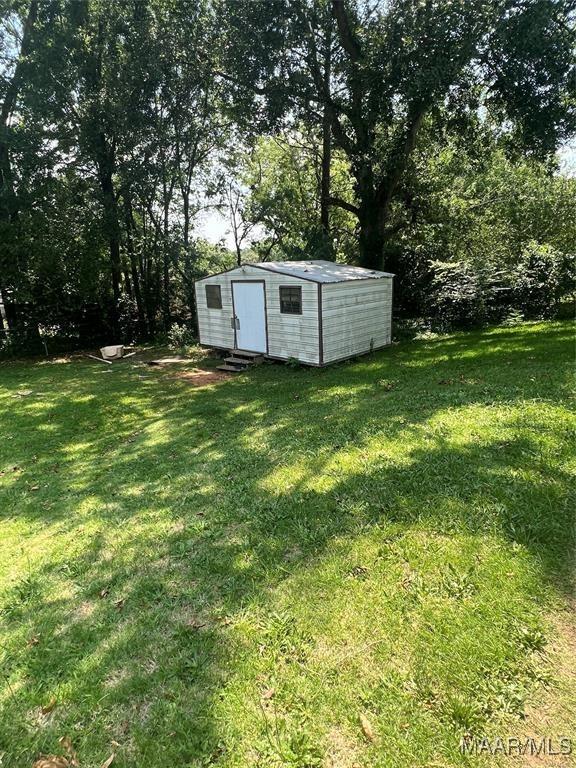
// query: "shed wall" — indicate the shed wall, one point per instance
point(356, 317)
point(288, 335)
point(214, 324)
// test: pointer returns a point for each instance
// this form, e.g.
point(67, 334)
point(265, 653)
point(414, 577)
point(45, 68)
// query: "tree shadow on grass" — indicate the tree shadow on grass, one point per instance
point(198, 505)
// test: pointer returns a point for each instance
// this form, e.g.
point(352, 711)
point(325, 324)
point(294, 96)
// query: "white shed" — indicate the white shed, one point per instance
point(316, 312)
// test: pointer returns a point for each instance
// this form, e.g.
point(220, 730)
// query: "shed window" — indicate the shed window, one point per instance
point(291, 299)
point(213, 297)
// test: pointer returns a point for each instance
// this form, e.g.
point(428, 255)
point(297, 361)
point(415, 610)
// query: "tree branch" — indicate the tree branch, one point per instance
point(11, 95)
point(395, 228)
point(343, 204)
point(348, 39)
point(406, 145)
point(312, 59)
point(240, 84)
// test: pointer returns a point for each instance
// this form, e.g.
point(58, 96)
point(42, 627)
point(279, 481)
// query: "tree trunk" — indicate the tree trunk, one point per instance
point(371, 239)
point(150, 299)
point(188, 267)
point(4, 326)
point(105, 163)
point(8, 204)
point(186, 212)
point(128, 284)
point(166, 288)
point(8, 207)
point(371, 244)
point(192, 306)
point(129, 223)
point(325, 179)
point(326, 147)
point(166, 256)
point(371, 217)
point(101, 148)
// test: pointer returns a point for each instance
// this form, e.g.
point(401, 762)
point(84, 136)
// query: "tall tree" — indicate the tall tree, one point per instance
point(325, 177)
point(189, 130)
point(399, 65)
point(123, 93)
point(9, 93)
point(110, 50)
point(282, 178)
point(88, 91)
point(10, 84)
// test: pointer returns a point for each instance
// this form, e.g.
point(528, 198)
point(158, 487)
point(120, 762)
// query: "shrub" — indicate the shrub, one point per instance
point(542, 279)
point(514, 317)
point(127, 319)
point(20, 342)
point(462, 296)
point(466, 295)
point(180, 336)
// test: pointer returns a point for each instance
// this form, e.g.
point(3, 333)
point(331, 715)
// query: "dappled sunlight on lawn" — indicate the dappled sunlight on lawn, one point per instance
point(198, 575)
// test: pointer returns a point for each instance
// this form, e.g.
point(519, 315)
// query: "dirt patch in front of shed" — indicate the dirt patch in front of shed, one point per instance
point(200, 378)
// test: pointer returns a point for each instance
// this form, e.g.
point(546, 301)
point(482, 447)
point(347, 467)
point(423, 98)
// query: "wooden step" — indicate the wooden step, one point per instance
point(229, 368)
point(238, 361)
point(248, 355)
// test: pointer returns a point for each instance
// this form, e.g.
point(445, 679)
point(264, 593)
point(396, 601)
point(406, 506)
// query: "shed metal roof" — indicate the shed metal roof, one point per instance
point(321, 271)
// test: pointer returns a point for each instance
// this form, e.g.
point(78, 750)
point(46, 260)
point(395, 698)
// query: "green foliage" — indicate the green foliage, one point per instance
point(541, 280)
point(460, 296)
point(282, 174)
point(110, 151)
point(489, 237)
point(464, 296)
point(396, 67)
point(122, 123)
point(209, 259)
point(485, 217)
point(180, 337)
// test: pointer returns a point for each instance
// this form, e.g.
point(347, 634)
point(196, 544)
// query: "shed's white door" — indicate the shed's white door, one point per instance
point(250, 312)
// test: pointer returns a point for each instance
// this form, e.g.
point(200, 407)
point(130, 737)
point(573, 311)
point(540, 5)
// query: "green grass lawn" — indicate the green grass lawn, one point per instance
point(352, 566)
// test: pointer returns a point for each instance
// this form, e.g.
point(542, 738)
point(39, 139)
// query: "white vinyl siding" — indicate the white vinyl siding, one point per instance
point(356, 317)
point(214, 324)
point(288, 335)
